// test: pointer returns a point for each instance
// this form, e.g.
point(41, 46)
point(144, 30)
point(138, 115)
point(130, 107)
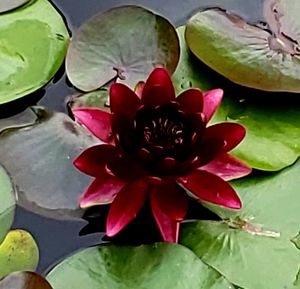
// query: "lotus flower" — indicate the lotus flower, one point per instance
point(158, 147)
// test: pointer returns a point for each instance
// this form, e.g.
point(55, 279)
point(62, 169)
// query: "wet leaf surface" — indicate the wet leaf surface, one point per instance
point(45, 177)
point(160, 265)
point(23, 69)
point(254, 248)
point(7, 204)
point(24, 280)
point(122, 44)
point(18, 252)
point(263, 56)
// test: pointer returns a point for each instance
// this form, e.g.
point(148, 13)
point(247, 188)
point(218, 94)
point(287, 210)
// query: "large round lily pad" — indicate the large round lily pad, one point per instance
point(33, 44)
point(6, 5)
point(122, 44)
point(159, 265)
point(256, 247)
point(264, 57)
point(18, 252)
point(39, 159)
point(7, 204)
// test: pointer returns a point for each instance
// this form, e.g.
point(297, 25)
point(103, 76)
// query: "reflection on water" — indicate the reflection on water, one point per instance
point(57, 239)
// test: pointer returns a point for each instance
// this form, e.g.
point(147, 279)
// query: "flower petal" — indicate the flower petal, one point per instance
point(97, 121)
point(158, 89)
point(212, 99)
point(126, 169)
point(232, 133)
point(139, 89)
point(172, 200)
point(123, 100)
point(168, 228)
point(127, 204)
point(227, 167)
point(211, 188)
point(93, 160)
point(101, 191)
point(191, 101)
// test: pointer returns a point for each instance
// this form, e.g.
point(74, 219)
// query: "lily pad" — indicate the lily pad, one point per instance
point(188, 73)
point(7, 204)
point(27, 63)
point(24, 280)
point(18, 252)
point(272, 140)
point(97, 98)
point(266, 58)
point(6, 5)
point(122, 44)
point(46, 179)
point(254, 248)
point(160, 265)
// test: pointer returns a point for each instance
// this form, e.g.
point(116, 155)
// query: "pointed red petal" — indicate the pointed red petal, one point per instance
point(172, 200)
point(211, 188)
point(93, 160)
point(212, 99)
point(97, 121)
point(191, 101)
point(227, 167)
point(168, 228)
point(158, 89)
point(231, 133)
point(126, 206)
point(101, 191)
point(123, 100)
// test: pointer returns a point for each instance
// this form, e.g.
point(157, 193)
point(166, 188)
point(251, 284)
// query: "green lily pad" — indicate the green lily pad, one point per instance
point(188, 73)
point(160, 265)
point(24, 280)
point(97, 98)
point(6, 5)
point(7, 204)
point(122, 44)
point(266, 58)
point(272, 140)
point(27, 63)
point(46, 179)
point(255, 247)
point(18, 252)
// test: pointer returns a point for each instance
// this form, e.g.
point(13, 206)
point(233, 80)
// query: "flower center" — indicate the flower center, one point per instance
point(163, 131)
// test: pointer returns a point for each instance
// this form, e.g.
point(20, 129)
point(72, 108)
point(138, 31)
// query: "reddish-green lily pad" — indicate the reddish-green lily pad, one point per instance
point(27, 63)
point(161, 265)
point(24, 280)
point(18, 252)
point(39, 159)
point(7, 203)
point(122, 44)
point(254, 248)
point(6, 5)
point(266, 58)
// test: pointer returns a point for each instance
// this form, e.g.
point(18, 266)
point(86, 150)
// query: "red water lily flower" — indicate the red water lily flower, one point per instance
point(157, 148)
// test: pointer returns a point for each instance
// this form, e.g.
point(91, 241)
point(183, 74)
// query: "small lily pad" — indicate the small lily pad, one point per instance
point(18, 252)
point(7, 204)
point(266, 58)
point(52, 184)
point(255, 247)
point(27, 63)
point(122, 44)
point(160, 265)
point(6, 5)
point(24, 280)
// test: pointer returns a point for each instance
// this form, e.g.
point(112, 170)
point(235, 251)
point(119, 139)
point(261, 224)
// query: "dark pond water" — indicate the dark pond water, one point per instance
point(57, 239)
